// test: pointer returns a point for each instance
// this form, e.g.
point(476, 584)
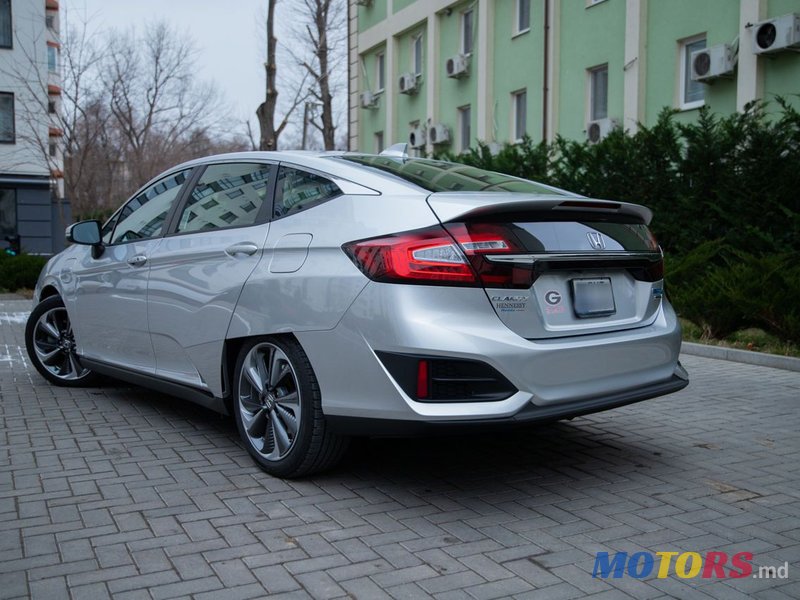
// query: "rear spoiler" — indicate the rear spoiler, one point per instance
point(450, 206)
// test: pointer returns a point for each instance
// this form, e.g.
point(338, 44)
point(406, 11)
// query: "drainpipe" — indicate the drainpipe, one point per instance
point(546, 68)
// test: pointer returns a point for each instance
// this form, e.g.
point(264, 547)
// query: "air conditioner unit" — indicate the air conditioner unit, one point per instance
point(715, 61)
point(369, 100)
point(416, 137)
point(597, 130)
point(439, 134)
point(407, 83)
point(777, 34)
point(457, 66)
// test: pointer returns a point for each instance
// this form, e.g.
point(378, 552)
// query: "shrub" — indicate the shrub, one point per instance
point(18, 272)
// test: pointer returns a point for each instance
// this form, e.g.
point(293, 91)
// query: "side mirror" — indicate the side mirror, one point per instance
point(85, 232)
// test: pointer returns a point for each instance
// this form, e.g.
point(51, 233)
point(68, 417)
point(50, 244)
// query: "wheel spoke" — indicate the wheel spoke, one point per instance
point(258, 426)
point(288, 419)
point(49, 329)
point(252, 375)
point(278, 368)
point(282, 441)
point(76, 366)
point(47, 356)
point(291, 400)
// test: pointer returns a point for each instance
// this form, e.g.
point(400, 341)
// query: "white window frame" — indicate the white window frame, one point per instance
point(684, 75)
point(467, 34)
point(417, 54)
point(380, 72)
point(590, 75)
point(515, 114)
point(517, 7)
point(378, 142)
point(461, 121)
point(53, 53)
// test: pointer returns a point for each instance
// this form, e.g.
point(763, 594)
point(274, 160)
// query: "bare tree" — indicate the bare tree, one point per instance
point(267, 109)
point(155, 101)
point(322, 24)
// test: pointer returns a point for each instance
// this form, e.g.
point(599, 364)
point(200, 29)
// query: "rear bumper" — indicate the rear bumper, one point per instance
point(530, 414)
point(557, 377)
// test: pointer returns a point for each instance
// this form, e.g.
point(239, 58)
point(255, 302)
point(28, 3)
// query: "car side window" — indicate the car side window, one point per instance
point(227, 195)
point(298, 190)
point(144, 215)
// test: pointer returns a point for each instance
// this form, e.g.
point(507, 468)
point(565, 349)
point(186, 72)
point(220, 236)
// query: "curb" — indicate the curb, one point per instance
point(762, 359)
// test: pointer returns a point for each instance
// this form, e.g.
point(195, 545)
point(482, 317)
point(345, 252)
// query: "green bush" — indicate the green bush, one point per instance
point(18, 272)
point(724, 193)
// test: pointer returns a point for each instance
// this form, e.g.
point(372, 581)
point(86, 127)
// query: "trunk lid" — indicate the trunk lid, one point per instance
point(555, 266)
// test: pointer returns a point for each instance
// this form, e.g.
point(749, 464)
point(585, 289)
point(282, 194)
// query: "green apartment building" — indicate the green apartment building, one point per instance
point(442, 75)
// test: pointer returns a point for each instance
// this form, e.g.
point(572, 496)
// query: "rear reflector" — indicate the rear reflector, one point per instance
point(422, 379)
point(442, 379)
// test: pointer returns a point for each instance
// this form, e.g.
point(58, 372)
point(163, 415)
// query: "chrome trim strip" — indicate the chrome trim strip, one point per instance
point(530, 259)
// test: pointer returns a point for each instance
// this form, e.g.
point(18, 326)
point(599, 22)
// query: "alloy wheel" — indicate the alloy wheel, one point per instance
point(54, 345)
point(269, 401)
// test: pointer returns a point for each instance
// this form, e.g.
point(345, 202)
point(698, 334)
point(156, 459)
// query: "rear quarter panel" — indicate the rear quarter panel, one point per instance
point(325, 283)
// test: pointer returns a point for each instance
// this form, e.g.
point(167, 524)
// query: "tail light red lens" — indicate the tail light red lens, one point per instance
point(455, 254)
point(423, 256)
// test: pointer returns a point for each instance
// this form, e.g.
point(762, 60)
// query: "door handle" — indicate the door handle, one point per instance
point(137, 261)
point(248, 248)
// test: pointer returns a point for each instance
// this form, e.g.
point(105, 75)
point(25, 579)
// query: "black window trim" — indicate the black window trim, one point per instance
point(264, 212)
point(13, 139)
point(10, 20)
point(170, 215)
point(305, 169)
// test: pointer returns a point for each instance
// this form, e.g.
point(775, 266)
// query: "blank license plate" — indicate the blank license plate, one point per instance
point(593, 297)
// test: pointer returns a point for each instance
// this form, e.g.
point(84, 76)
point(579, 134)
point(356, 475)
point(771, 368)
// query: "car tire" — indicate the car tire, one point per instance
point(51, 345)
point(278, 410)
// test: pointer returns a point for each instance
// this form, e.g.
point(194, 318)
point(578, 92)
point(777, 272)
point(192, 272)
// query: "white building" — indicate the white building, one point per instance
point(31, 159)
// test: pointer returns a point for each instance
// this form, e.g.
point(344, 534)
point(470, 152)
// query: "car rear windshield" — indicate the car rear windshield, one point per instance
point(442, 176)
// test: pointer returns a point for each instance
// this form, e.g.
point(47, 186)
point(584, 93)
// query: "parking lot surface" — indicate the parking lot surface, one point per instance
point(119, 491)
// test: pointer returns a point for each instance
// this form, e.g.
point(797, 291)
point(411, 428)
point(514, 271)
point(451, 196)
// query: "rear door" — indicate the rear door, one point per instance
point(555, 267)
point(196, 275)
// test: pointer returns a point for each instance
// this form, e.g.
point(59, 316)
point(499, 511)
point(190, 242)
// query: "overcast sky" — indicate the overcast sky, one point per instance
point(228, 36)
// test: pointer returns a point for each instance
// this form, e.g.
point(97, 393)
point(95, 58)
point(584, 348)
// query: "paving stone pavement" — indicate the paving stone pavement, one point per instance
point(116, 491)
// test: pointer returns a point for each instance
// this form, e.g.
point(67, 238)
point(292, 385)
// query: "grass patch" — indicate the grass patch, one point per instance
point(754, 339)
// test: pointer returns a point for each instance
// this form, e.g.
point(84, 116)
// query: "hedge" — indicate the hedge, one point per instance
point(725, 193)
point(18, 272)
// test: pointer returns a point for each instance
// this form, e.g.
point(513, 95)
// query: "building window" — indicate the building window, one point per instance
point(51, 107)
point(380, 71)
point(378, 142)
point(598, 93)
point(6, 31)
point(522, 16)
point(416, 55)
point(53, 149)
point(8, 212)
point(519, 102)
point(691, 93)
point(6, 118)
point(50, 22)
point(464, 127)
point(466, 31)
point(52, 59)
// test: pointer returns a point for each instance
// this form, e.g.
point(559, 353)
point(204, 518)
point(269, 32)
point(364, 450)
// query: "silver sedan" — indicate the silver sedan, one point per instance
point(316, 296)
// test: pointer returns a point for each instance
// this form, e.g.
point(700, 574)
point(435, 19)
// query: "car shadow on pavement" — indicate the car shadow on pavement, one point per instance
point(585, 449)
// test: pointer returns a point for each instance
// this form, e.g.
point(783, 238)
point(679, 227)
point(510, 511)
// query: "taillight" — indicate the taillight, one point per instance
point(423, 256)
point(456, 254)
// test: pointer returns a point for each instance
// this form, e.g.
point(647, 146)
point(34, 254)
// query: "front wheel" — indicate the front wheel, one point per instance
point(278, 410)
point(51, 345)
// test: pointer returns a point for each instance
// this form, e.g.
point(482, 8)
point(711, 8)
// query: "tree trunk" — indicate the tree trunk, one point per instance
point(266, 111)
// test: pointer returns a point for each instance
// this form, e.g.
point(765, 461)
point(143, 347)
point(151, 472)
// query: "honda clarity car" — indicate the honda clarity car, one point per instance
point(317, 296)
